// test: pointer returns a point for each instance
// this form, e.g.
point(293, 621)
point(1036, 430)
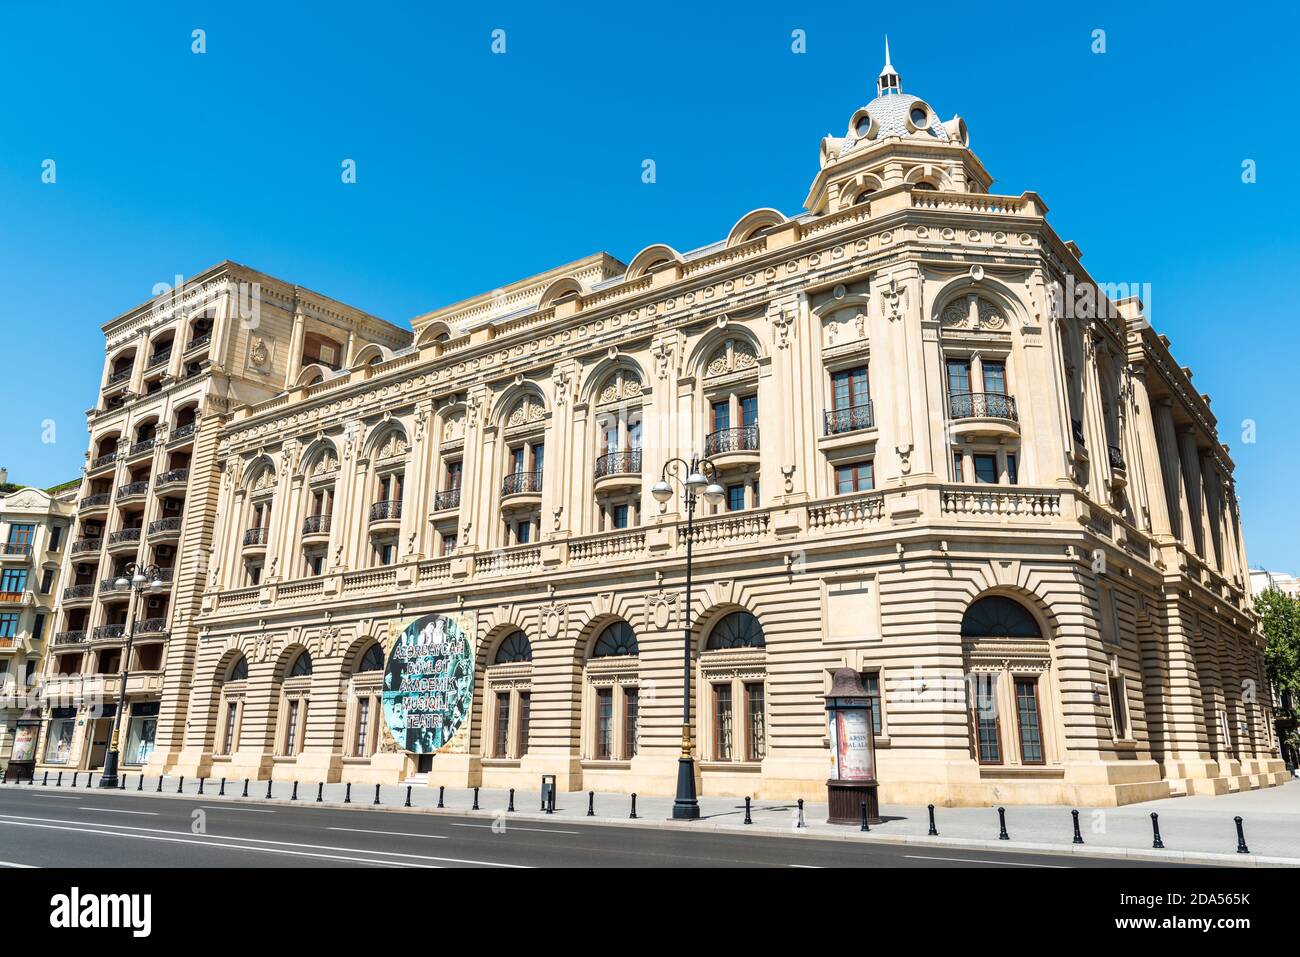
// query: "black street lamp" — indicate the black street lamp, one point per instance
point(701, 478)
point(139, 579)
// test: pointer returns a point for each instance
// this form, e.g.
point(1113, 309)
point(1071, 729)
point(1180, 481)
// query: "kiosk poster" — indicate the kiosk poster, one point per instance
point(429, 683)
point(24, 747)
point(850, 734)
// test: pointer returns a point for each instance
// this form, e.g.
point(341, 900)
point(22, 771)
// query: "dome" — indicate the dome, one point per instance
point(893, 114)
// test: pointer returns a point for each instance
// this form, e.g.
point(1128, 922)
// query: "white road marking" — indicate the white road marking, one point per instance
point(810, 866)
point(515, 827)
point(247, 810)
point(972, 860)
point(13, 818)
point(113, 810)
point(362, 830)
point(60, 797)
point(15, 864)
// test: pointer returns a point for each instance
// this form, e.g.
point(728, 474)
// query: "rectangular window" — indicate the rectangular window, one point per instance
point(8, 624)
point(454, 471)
point(232, 721)
point(47, 581)
point(849, 388)
point(291, 728)
point(634, 434)
point(620, 516)
point(1031, 732)
point(749, 411)
point(315, 564)
point(517, 460)
point(502, 744)
point(13, 581)
point(449, 543)
point(631, 721)
point(756, 722)
point(722, 722)
point(735, 498)
point(56, 538)
point(523, 532)
point(362, 745)
point(987, 739)
point(721, 415)
point(855, 477)
point(525, 715)
point(38, 628)
point(986, 469)
point(58, 742)
point(1013, 469)
point(609, 437)
point(21, 534)
point(956, 467)
point(871, 682)
point(604, 722)
point(539, 457)
point(995, 378)
point(1119, 707)
point(958, 377)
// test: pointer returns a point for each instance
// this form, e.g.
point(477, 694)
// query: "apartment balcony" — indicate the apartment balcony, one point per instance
point(1118, 467)
point(83, 545)
point(852, 419)
point(447, 500)
point(10, 598)
point(255, 540)
point(733, 446)
point(118, 380)
point(102, 464)
point(81, 594)
point(141, 448)
point(316, 529)
point(150, 626)
point(172, 479)
point(124, 540)
point(182, 434)
point(197, 344)
point(69, 637)
point(108, 590)
point(132, 491)
point(618, 470)
point(158, 359)
point(108, 633)
point(94, 503)
point(15, 553)
point(165, 528)
point(385, 517)
point(522, 490)
point(983, 413)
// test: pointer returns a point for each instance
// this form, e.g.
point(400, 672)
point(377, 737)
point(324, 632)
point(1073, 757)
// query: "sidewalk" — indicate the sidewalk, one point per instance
point(1192, 828)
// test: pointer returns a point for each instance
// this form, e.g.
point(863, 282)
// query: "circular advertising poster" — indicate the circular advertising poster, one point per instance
point(428, 684)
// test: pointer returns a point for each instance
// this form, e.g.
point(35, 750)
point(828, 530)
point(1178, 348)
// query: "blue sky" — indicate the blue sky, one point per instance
point(475, 169)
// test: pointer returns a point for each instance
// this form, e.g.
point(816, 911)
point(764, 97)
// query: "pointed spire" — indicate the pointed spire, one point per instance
point(889, 81)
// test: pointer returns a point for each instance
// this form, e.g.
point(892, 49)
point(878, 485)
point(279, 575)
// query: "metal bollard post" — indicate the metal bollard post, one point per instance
point(245, 794)
point(934, 831)
point(347, 795)
point(45, 779)
point(376, 793)
point(268, 788)
point(201, 780)
point(441, 790)
point(320, 792)
point(591, 804)
point(1155, 831)
point(511, 805)
point(1241, 838)
point(294, 795)
point(74, 778)
point(140, 784)
point(121, 784)
point(1078, 838)
point(180, 785)
point(160, 782)
point(475, 807)
point(550, 801)
point(221, 791)
point(90, 776)
point(800, 822)
point(748, 818)
point(408, 796)
point(1002, 824)
point(865, 826)
point(59, 782)
point(633, 814)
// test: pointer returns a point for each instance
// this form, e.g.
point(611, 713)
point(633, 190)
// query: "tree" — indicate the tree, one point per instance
point(1280, 618)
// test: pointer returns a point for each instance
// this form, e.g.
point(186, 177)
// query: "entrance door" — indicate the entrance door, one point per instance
point(423, 763)
point(99, 734)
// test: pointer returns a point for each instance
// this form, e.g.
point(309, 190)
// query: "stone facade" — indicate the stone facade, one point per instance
point(1004, 504)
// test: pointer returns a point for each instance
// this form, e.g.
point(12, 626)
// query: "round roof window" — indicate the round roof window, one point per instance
point(920, 118)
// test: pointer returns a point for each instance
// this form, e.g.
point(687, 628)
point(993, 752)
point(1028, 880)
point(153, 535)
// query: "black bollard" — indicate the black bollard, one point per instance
point(160, 781)
point(865, 826)
point(1241, 838)
point(90, 777)
point(1002, 824)
point(591, 804)
point(748, 819)
point(201, 780)
point(633, 814)
point(441, 790)
point(59, 782)
point(1155, 831)
point(140, 784)
point(1078, 838)
point(74, 778)
point(180, 785)
point(408, 796)
point(475, 807)
point(376, 793)
point(221, 791)
point(800, 821)
point(934, 831)
point(320, 792)
point(45, 779)
point(121, 784)
point(550, 801)
point(294, 795)
point(245, 794)
point(511, 805)
point(347, 795)
point(268, 789)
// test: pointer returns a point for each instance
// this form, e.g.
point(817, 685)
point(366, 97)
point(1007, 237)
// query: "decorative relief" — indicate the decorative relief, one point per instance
point(393, 446)
point(734, 355)
point(526, 411)
point(973, 312)
point(453, 427)
point(621, 385)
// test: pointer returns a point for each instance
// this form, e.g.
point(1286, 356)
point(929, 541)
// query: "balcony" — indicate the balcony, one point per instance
point(172, 477)
point(445, 501)
point(852, 419)
point(159, 358)
point(521, 490)
point(102, 463)
point(141, 447)
point(75, 594)
point(86, 545)
point(151, 626)
point(108, 589)
point(198, 342)
point(118, 379)
point(385, 516)
point(15, 551)
point(255, 541)
point(124, 539)
point(15, 597)
point(163, 528)
point(108, 632)
point(316, 528)
point(94, 503)
point(69, 637)
point(983, 413)
point(618, 470)
point(181, 433)
point(132, 490)
point(733, 446)
point(1118, 467)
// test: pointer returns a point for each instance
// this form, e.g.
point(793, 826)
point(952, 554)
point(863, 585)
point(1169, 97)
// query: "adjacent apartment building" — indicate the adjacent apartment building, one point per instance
point(947, 464)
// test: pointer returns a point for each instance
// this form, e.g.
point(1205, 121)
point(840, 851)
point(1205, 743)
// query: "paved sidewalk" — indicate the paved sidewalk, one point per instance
point(1192, 828)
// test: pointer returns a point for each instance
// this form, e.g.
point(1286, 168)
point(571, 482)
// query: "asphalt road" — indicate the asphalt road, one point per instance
point(41, 828)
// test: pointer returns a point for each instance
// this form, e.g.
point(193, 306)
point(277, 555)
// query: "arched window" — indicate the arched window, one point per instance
point(239, 670)
point(999, 617)
point(231, 709)
point(739, 629)
point(617, 639)
point(515, 648)
point(301, 666)
point(372, 660)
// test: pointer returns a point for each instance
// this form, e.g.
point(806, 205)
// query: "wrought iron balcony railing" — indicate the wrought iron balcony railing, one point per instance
point(87, 545)
point(117, 377)
point(447, 499)
point(150, 626)
point(172, 477)
point(133, 488)
point(69, 637)
point(385, 511)
point(144, 445)
point(124, 535)
point(198, 341)
point(94, 501)
point(1076, 430)
point(109, 631)
point(84, 590)
point(522, 483)
point(103, 461)
point(619, 463)
point(159, 358)
point(183, 431)
point(1116, 458)
point(316, 524)
point(743, 439)
point(851, 419)
point(982, 405)
point(256, 536)
point(170, 524)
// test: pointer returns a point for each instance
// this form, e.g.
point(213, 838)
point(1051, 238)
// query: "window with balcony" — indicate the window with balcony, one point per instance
point(850, 402)
point(977, 388)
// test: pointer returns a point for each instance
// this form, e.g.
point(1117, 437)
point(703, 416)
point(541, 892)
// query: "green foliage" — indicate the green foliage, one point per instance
point(1280, 617)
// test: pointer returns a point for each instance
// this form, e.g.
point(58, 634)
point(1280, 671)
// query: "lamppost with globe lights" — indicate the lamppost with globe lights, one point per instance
point(701, 478)
point(139, 579)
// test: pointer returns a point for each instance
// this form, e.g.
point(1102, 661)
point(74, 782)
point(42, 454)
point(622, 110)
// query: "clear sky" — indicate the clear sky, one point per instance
point(475, 168)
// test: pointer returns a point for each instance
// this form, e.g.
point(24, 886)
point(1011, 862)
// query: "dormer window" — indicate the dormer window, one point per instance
point(924, 185)
point(863, 126)
point(920, 118)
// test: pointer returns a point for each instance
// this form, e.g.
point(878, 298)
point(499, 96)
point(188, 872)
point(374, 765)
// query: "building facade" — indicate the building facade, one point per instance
point(34, 527)
point(1003, 504)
